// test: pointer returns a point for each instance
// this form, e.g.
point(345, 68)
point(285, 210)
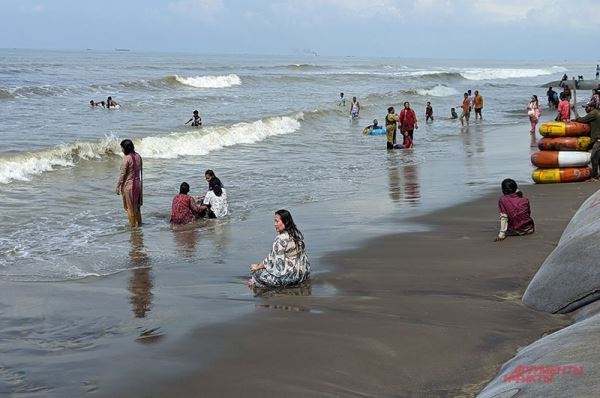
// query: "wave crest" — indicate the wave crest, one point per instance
point(436, 91)
point(198, 142)
point(210, 139)
point(210, 81)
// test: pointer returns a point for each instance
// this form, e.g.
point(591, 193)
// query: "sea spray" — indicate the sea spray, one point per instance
point(210, 81)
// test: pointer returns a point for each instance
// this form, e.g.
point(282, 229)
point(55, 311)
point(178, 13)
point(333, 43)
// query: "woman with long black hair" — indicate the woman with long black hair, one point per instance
point(130, 184)
point(287, 264)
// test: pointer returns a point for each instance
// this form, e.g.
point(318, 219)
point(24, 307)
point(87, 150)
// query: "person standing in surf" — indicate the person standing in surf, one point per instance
point(196, 119)
point(534, 112)
point(478, 105)
point(428, 112)
point(466, 110)
point(391, 120)
point(354, 108)
point(408, 124)
point(130, 184)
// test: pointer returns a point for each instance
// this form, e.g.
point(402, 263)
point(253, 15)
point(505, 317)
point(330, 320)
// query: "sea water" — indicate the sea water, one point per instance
point(276, 135)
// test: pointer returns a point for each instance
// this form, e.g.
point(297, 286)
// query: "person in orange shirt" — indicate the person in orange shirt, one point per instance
point(478, 104)
point(466, 106)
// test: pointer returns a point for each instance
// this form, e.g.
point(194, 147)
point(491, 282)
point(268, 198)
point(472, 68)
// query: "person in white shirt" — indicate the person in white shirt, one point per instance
point(215, 203)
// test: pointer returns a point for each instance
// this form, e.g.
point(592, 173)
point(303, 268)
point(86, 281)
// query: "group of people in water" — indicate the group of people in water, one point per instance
point(287, 263)
point(406, 121)
point(109, 103)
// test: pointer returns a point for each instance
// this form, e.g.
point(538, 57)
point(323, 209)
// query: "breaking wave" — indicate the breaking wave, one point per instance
point(210, 81)
point(437, 91)
point(192, 143)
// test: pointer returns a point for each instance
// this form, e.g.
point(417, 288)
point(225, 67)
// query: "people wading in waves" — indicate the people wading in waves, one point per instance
point(130, 184)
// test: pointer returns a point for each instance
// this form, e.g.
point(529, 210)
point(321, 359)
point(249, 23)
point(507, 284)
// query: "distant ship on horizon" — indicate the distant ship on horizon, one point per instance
point(122, 49)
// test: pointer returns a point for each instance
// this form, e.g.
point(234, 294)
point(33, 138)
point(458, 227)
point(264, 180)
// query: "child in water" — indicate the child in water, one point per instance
point(515, 213)
point(428, 112)
point(196, 120)
point(453, 113)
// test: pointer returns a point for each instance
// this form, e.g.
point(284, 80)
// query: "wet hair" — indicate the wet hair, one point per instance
point(92, 102)
point(466, 95)
point(195, 111)
point(536, 98)
point(127, 146)
point(109, 98)
point(184, 188)
point(390, 109)
point(509, 186)
point(215, 186)
point(210, 173)
point(375, 121)
point(290, 228)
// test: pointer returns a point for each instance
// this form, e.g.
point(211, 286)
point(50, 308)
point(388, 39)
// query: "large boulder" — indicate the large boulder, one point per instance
point(570, 276)
point(563, 364)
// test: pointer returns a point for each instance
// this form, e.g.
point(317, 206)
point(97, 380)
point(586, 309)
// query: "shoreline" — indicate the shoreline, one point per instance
point(415, 320)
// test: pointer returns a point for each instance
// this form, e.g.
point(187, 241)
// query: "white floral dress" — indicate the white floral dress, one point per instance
point(286, 265)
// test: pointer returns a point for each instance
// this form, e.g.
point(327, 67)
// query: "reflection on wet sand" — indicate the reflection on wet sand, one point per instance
point(304, 289)
point(406, 190)
point(412, 190)
point(186, 237)
point(394, 184)
point(472, 138)
point(140, 283)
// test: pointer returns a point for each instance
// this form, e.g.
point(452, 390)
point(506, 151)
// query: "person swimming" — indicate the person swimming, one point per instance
point(369, 129)
point(453, 113)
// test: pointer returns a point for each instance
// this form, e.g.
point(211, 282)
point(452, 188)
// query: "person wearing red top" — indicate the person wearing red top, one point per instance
point(564, 109)
point(408, 124)
point(184, 209)
point(515, 213)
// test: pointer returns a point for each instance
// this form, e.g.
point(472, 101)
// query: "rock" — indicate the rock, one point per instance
point(570, 276)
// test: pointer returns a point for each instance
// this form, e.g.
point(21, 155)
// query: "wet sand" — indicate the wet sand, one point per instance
point(420, 314)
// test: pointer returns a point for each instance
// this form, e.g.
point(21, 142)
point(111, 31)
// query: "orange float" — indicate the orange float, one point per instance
point(565, 144)
point(564, 129)
point(560, 159)
point(566, 174)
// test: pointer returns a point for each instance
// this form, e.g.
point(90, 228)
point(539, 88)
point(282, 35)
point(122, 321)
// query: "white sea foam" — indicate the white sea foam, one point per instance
point(437, 91)
point(509, 73)
point(23, 167)
point(198, 142)
point(209, 139)
point(210, 81)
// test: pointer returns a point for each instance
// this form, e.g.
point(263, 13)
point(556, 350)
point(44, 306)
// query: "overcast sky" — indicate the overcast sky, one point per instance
point(507, 29)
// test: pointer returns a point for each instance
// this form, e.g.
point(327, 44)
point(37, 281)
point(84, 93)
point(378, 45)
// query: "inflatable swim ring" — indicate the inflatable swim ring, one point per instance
point(564, 129)
point(565, 144)
point(560, 158)
point(372, 131)
point(567, 174)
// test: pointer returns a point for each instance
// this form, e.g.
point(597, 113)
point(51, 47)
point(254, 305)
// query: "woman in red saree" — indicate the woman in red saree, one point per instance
point(130, 183)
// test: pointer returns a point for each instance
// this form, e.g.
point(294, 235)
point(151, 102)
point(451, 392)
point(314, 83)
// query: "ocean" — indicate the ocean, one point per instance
point(76, 279)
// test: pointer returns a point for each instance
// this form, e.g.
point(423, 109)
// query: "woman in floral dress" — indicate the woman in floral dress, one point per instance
point(287, 264)
point(184, 209)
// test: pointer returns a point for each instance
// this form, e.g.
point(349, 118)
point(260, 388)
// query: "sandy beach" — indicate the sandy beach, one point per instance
point(421, 314)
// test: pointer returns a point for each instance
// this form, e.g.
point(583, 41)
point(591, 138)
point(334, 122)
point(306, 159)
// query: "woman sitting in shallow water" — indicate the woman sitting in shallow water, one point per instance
point(515, 213)
point(287, 264)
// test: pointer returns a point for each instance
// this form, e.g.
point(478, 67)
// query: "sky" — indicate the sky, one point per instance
point(473, 29)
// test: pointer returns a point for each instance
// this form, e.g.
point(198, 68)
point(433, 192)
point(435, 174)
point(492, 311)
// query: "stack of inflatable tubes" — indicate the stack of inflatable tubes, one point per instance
point(563, 155)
